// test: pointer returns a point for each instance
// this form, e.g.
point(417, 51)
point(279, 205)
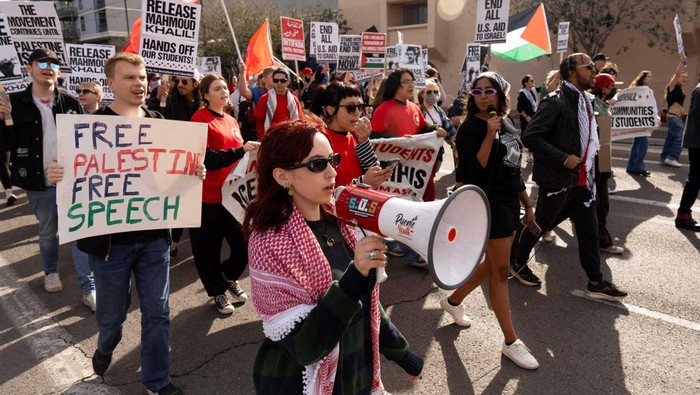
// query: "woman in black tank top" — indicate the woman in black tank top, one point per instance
point(674, 99)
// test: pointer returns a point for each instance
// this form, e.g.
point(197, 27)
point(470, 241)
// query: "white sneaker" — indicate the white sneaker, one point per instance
point(457, 313)
point(52, 283)
point(548, 237)
point(237, 293)
point(520, 355)
point(223, 305)
point(671, 162)
point(613, 249)
point(90, 300)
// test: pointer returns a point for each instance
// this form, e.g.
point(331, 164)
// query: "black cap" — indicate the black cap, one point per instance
point(43, 54)
point(600, 56)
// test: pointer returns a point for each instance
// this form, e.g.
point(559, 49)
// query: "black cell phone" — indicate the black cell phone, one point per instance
point(384, 164)
point(533, 228)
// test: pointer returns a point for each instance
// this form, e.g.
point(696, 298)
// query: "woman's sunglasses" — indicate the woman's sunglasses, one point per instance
point(351, 108)
point(319, 164)
point(45, 65)
point(479, 92)
point(85, 91)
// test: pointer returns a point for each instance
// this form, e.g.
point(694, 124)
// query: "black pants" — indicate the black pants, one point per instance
point(602, 210)
point(5, 169)
point(218, 224)
point(692, 184)
point(553, 207)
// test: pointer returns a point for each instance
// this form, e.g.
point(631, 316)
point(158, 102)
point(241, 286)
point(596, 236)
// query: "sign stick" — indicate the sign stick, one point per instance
point(233, 34)
point(164, 79)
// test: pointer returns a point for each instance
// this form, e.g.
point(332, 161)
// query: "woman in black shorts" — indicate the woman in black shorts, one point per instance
point(489, 157)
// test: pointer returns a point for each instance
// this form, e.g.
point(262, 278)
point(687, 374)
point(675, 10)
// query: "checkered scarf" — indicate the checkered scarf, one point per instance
point(289, 274)
point(272, 105)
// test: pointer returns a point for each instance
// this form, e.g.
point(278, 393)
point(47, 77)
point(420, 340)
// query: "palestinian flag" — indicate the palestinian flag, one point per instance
point(528, 36)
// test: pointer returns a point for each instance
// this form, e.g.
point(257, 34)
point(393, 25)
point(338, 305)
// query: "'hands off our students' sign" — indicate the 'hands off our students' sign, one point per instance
point(125, 174)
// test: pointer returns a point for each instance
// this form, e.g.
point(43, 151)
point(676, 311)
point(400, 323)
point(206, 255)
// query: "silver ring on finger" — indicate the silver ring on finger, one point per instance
point(372, 255)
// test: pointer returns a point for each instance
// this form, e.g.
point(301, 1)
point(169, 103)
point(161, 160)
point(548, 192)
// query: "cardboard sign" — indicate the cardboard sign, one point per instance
point(240, 186)
point(492, 21)
point(349, 53)
point(170, 36)
point(373, 53)
point(10, 69)
point(393, 58)
point(563, 37)
point(293, 46)
point(324, 41)
point(126, 174)
point(87, 63)
point(33, 25)
point(209, 64)
point(634, 114)
point(679, 35)
point(411, 59)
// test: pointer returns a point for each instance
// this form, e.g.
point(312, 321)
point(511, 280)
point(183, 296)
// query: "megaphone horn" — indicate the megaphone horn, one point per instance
point(451, 233)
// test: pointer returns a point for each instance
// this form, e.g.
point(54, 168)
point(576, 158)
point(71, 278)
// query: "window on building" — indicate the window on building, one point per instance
point(80, 5)
point(415, 14)
point(102, 21)
point(82, 23)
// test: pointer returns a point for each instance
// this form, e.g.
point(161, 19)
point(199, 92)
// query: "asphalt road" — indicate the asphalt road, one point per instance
point(646, 345)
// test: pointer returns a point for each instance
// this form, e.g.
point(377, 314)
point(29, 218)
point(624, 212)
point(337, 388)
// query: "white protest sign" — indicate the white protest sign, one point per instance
point(170, 36)
point(209, 64)
point(411, 59)
point(373, 58)
point(563, 37)
point(240, 186)
point(10, 68)
point(393, 58)
point(417, 154)
point(87, 63)
point(424, 57)
point(324, 41)
point(33, 25)
point(126, 174)
point(679, 35)
point(492, 21)
point(634, 114)
point(349, 53)
point(292, 31)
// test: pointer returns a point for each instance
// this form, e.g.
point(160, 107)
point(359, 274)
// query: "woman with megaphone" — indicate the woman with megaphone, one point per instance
point(489, 157)
point(312, 283)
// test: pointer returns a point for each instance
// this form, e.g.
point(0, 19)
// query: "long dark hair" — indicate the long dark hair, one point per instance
point(285, 144)
point(180, 108)
point(639, 79)
point(331, 95)
point(393, 83)
point(503, 101)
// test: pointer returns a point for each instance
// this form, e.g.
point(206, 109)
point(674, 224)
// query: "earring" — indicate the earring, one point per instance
point(289, 190)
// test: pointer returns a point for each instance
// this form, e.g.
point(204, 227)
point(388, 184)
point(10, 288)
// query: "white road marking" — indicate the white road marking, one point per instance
point(645, 312)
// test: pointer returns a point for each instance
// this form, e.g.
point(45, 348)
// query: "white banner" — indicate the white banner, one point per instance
point(563, 37)
point(10, 68)
point(170, 36)
point(411, 58)
point(634, 114)
point(240, 186)
point(87, 63)
point(324, 41)
point(125, 174)
point(393, 57)
point(679, 35)
point(492, 21)
point(349, 53)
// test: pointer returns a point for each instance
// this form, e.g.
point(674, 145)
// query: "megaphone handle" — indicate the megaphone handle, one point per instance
point(381, 272)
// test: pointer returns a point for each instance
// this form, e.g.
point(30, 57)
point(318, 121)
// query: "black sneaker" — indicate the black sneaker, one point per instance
point(169, 389)
point(605, 290)
point(11, 199)
point(237, 293)
point(525, 276)
point(100, 362)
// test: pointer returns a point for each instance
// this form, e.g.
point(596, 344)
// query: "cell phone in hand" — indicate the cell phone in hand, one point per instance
point(391, 163)
point(533, 228)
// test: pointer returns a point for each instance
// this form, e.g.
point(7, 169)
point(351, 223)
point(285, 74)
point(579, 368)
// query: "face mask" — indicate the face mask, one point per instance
point(612, 94)
point(430, 99)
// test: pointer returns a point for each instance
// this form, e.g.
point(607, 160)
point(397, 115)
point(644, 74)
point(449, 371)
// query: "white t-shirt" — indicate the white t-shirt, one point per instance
point(50, 140)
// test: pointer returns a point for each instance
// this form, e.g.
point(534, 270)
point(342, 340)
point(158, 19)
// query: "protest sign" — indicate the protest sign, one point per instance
point(393, 58)
point(563, 37)
point(349, 53)
point(125, 174)
point(679, 35)
point(240, 186)
point(9, 61)
point(292, 31)
point(373, 52)
point(33, 25)
point(87, 63)
point(169, 36)
point(417, 154)
point(424, 57)
point(634, 114)
point(209, 64)
point(324, 41)
point(411, 59)
point(492, 21)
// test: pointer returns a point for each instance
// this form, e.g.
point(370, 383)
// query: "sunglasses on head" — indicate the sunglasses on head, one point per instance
point(178, 81)
point(43, 65)
point(319, 164)
point(279, 80)
point(479, 92)
point(86, 91)
point(351, 108)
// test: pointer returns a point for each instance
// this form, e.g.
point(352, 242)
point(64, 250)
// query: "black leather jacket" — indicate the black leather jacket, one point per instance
point(26, 138)
point(552, 135)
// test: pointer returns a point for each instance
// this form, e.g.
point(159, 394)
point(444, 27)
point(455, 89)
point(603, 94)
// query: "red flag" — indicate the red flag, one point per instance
point(134, 43)
point(259, 52)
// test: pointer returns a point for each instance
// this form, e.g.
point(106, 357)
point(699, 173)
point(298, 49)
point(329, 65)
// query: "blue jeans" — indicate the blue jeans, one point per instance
point(150, 263)
point(44, 205)
point(411, 256)
point(674, 139)
point(635, 163)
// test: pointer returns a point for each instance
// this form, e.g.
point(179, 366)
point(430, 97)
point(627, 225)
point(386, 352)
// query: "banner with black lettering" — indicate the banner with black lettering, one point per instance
point(125, 174)
point(417, 156)
point(87, 63)
point(492, 21)
point(634, 114)
point(373, 55)
point(170, 36)
point(563, 37)
point(349, 52)
point(33, 25)
point(324, 41)
point(240, 186)
point(10, 69)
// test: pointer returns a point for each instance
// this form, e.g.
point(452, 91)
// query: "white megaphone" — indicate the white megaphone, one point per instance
point(450, 233)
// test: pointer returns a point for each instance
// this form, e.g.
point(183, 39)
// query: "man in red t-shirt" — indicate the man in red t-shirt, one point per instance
point(281, 106)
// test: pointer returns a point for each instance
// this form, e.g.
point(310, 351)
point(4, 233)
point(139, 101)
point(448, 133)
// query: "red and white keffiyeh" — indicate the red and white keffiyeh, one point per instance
point(289, 273)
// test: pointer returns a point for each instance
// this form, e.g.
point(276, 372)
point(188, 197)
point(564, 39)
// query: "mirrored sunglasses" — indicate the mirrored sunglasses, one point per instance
point(319, 164)
point(45, 65)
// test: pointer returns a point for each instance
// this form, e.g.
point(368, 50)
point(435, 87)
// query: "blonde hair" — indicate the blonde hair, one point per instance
point(94, 86)
point(128, 57)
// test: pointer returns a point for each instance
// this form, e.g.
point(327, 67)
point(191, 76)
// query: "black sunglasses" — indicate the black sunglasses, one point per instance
point(177, 81)
point(279, 80)
point(319, 164)
point(85, 91)
point(351, 108)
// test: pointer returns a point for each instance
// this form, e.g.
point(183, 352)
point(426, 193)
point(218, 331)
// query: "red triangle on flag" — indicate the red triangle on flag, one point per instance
point(536, 31)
